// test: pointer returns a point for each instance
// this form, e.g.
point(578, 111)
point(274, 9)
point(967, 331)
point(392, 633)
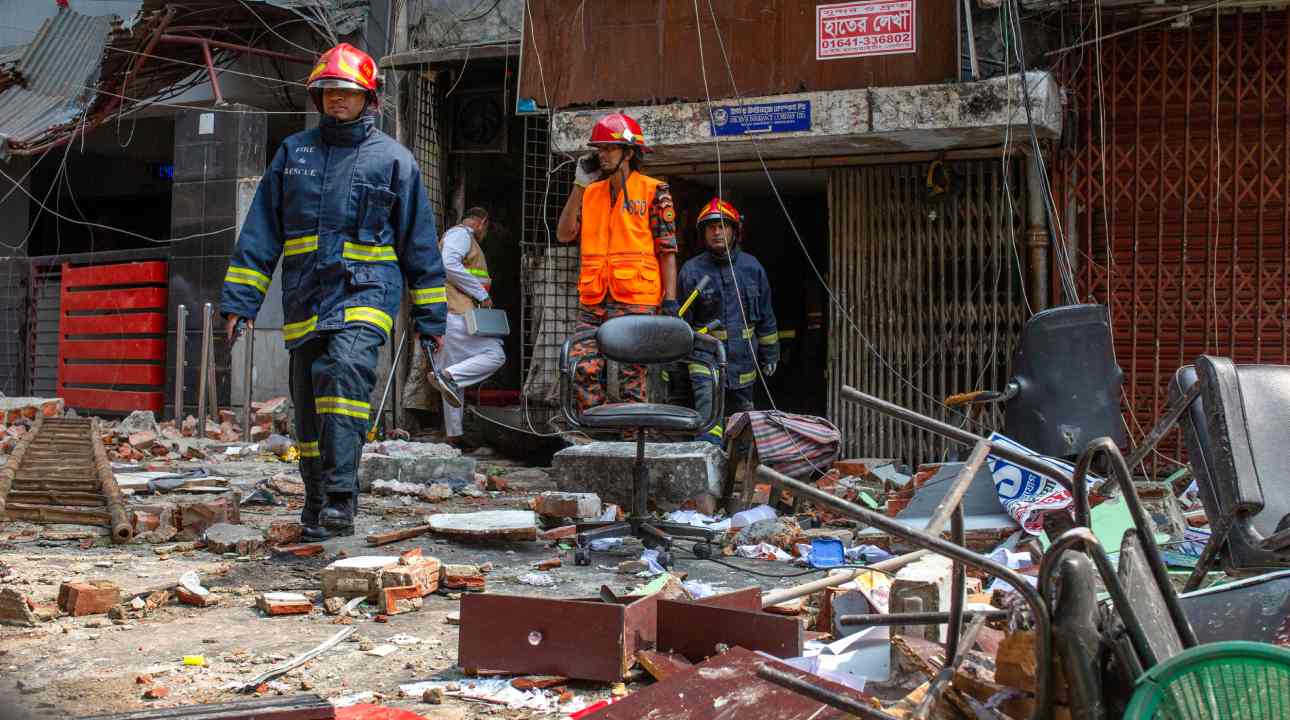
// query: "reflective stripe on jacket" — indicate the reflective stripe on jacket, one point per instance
point(617, 245)
point(342, 205)
point(750, 335)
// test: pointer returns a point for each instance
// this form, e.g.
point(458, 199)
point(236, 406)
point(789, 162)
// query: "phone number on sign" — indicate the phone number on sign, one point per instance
point(904, 40)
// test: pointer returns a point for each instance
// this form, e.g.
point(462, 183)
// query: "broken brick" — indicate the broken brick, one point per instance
point(143, 679)
point(395, 600)
point(462, 577)
point(228, 538)
point(156, 693)
point(142, 439)
point(284, 603)
point(15, 609)
point(299, 550)
point(538, 682)
point(196, 517)
point(283, 532)
point(188, 597)
point(549, 564)
point(420, 572)
point(560, 533)
point(95, 597)
point(357, 576)
point(495, 483)
point(566, 504)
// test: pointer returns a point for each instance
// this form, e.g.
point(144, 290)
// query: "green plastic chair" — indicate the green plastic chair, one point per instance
point(1233, 680)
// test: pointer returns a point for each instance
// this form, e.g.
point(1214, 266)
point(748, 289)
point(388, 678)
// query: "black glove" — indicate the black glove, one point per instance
point(671, 307)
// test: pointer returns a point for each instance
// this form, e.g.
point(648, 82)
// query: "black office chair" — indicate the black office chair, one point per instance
point(1065, 386)
point(643, 340)
point(1235, 433)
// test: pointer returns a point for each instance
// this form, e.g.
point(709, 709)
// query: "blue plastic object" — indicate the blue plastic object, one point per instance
point(827, 553)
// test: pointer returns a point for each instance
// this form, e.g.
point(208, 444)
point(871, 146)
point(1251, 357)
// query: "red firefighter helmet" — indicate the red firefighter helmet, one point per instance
point(718, 209)
point(344, 66)
point(618, 129)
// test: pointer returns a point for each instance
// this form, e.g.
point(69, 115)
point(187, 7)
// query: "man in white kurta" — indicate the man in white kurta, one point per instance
point(465, 359)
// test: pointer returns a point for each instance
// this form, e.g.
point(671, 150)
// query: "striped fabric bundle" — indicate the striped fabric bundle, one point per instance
point(795, 445)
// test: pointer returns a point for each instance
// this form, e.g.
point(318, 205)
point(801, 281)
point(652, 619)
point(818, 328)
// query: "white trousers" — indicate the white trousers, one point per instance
point(469, 360)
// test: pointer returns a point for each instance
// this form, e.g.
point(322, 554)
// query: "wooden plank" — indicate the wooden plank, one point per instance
point(695, 630)
point(120, 400)
point(113, 374)
point(132, 349)
point(134, 323)
point(136, 273)
point(135, 299)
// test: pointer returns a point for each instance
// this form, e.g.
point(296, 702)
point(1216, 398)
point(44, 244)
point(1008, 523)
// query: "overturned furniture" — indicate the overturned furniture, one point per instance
point(642, 340)
point(1234, 426)
point(1065, 388)
point(59, 473)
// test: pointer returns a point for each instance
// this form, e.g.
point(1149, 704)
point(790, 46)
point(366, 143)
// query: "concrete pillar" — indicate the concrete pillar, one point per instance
point(219, 159)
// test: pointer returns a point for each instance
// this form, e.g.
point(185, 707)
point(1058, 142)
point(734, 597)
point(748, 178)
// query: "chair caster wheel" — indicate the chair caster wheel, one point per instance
point(665, 559)
point(702, 551)
point(581, 556)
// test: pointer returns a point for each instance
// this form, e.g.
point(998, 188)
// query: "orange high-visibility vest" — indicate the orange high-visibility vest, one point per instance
point(617, 244)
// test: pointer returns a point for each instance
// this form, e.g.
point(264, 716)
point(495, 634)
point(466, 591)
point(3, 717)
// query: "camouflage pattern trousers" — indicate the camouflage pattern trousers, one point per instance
point(590, 377)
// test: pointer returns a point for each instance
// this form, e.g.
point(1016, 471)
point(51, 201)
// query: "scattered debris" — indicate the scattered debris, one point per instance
point(487, 525)
point(94, 597)
point(284, 603)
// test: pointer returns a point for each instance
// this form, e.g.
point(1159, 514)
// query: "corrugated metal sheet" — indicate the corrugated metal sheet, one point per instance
point(53, 74)
point(644, 51)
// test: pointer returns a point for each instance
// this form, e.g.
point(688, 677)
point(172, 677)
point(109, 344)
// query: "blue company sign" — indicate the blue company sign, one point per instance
point(762, 118)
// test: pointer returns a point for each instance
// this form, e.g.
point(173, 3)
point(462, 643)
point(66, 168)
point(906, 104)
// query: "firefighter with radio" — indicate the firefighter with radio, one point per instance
point(626, 227)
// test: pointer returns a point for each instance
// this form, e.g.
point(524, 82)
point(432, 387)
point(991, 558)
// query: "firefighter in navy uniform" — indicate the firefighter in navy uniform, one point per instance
point(343, 206)
point(748, 328)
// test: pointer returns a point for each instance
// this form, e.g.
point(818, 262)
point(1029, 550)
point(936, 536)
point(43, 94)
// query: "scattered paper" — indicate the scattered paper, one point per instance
point(537, 579)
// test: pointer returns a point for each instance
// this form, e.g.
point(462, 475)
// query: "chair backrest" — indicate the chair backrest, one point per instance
point(1068, 382)
point(645, 339)
point(1237, 444)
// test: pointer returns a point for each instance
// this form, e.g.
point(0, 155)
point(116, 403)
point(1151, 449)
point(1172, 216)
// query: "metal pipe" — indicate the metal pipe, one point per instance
point(1037, 234)
point(248, 378)
point(202, 373)
point(958, 435)
point(819, 694)
point(891, 526)
point(210, 70)
point(916, 618)
point(1093, 547)
point(181, 341)
point(185, 40)
point(958, 586)
point(1142, 525)
point(776, 597)
point(1163, 425)
point(122, 529)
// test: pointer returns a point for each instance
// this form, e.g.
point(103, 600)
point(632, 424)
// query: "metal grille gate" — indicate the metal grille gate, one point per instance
point(935, 286)
point(427, 140)
point(549, 277)
point(1180, 205)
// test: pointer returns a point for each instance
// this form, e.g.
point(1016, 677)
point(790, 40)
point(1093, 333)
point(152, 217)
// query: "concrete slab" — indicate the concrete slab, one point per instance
point(487, 525)
point(423, 463)
point(916, 118)
point(678, 471)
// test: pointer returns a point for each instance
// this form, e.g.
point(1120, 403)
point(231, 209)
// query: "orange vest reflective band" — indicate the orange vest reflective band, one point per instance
point(617, 244)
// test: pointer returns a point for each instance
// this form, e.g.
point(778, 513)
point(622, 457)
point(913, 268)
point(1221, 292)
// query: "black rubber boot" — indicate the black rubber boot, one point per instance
point(337, 516)
point(315, 498)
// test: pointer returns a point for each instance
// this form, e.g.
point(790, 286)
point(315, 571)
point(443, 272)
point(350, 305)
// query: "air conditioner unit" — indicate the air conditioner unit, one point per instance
point(479, 122)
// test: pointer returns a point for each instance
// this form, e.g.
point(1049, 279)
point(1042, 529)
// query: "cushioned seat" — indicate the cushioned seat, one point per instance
point(1236, 443)
point(617, 416)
